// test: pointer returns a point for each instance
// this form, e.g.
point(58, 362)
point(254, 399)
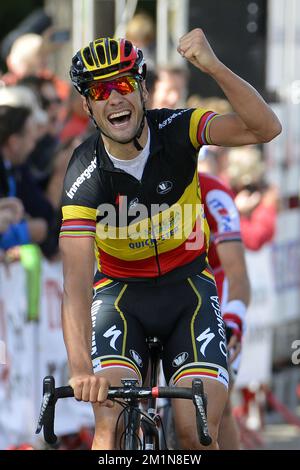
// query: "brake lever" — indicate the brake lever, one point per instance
point(45, 402)
point(200, 402)
point(46, 417)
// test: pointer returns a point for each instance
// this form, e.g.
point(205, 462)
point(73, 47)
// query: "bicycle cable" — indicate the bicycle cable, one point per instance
point(124, 406)
point(136, 436)
point(163, 431)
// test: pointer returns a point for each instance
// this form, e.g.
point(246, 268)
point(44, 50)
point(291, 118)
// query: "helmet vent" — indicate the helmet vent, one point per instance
point(114, 50)
point(88, 56)
point(101, 54)
point(128, 48)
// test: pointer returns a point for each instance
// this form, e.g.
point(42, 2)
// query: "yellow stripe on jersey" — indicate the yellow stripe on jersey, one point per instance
point(199, 127)
point(194, 123)
point(78, 212)
point(207, 130)
point(170, 229)
point(192, 326)
point(208, 274)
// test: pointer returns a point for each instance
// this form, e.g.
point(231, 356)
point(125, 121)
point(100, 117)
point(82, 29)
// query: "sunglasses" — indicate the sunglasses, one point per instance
point(101, 91)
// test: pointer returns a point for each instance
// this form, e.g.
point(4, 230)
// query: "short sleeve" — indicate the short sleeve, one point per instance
point(220, 209)
point(199, 127)
point(79, 200)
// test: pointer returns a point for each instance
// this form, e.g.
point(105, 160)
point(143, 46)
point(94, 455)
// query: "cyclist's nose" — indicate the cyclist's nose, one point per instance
point(115, 97)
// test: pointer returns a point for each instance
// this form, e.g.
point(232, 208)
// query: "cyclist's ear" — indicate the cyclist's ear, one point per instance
point(145, 92)
point(85, 105)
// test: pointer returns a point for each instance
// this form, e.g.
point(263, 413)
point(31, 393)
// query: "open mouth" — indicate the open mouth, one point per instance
point(120, 118)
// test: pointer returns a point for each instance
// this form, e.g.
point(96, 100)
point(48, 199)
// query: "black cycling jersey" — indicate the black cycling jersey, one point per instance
point(164, 242)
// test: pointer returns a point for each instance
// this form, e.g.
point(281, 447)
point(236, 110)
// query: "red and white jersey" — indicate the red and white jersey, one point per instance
point(223, 220)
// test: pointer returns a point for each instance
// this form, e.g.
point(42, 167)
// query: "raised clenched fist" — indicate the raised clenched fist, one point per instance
point(194, 47)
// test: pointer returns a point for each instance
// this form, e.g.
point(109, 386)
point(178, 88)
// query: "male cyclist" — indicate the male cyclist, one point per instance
point(131, 191)
point(227, 260)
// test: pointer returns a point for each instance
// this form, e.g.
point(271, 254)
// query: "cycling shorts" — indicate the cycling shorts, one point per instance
point(185, 316)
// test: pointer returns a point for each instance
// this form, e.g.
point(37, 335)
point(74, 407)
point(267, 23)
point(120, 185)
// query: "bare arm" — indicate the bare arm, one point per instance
point(232, 260)
point(253, 120)
point(78, 265)
point(78, 269)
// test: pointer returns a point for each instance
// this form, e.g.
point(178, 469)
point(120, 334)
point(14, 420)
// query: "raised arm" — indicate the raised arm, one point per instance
point(253, 121)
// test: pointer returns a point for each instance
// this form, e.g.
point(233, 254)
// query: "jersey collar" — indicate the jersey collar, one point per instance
point(105, 162)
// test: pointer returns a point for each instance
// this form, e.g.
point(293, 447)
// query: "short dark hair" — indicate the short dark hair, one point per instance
point(12, 121)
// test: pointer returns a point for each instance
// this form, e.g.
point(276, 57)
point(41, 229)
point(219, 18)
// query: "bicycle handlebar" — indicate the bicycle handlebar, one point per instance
point(52, 394)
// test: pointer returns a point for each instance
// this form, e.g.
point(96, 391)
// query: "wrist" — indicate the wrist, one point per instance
point(81, 368)
point(234, 315)
point(217, 70)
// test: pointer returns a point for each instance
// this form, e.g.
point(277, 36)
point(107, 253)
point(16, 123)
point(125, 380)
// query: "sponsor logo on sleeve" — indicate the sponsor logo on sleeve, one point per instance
point(85, 175)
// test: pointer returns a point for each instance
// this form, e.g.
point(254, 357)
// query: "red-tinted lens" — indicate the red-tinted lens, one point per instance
point(123, 85)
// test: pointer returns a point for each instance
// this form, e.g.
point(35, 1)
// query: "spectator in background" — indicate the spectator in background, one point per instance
point(29, 55)
point(41, 159)
point(49, 101)
point(170, 88)
point(18, 95)
point(11, 212)
point(218, 105)
point(243, 170)
point(256, 201)
point(214, 160)
point(141, 32)
point(60, 163)
point(17, 139)
point(36, 22)
point(44, 167)
point(26, 57)
point(76, 121)
point(21, 95)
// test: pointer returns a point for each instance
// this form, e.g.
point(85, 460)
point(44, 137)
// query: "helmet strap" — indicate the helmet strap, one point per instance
point(91, 114)
point(142, 124)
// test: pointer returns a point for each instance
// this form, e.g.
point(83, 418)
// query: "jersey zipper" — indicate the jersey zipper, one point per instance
point(157, 256)
point(118, 170)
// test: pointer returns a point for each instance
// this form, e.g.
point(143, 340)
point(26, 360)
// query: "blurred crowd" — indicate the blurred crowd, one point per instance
point(42, 120)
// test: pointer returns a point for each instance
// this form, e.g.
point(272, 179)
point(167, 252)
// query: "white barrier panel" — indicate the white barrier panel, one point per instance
point(274, 273)
point(256, 358)
point(33, 350)
point(286, 266)
point(70, 415)
point(17, 376)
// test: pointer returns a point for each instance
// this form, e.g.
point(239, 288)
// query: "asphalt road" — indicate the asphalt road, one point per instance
point(281, 437)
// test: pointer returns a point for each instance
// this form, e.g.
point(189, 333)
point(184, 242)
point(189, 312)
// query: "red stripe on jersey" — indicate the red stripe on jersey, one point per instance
point(180, 256)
